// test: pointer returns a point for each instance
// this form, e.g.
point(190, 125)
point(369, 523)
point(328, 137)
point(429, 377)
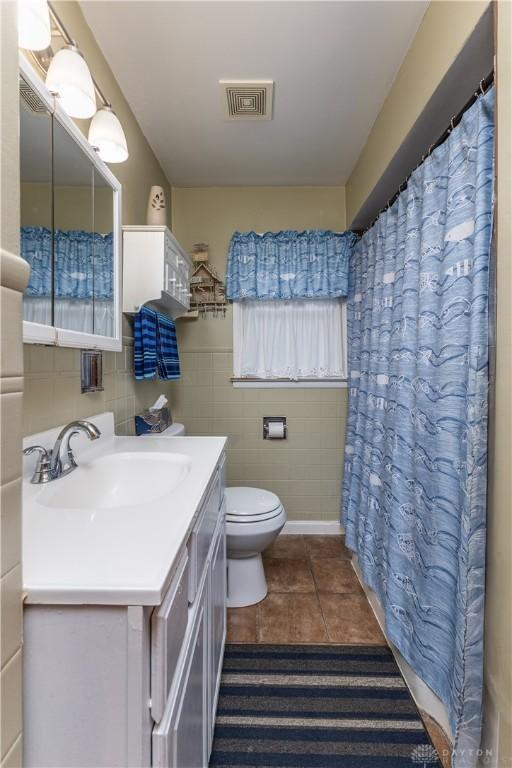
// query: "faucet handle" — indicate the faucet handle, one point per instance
point(42, 471)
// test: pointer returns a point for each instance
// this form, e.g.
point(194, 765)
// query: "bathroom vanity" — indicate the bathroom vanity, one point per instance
point(125, 613)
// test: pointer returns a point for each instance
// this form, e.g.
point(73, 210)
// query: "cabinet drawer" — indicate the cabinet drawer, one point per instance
point(168, 627)
point(206, 528)
point(202, 536)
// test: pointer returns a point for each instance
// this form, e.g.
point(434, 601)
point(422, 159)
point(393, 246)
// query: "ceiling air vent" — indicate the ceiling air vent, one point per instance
point(247, 99)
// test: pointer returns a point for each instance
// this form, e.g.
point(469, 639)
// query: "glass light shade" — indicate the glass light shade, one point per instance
point(69, 78)
point(34, 31)
point(107, 135)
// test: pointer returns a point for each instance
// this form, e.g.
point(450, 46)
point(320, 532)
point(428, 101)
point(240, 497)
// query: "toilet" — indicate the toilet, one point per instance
point(254, 517)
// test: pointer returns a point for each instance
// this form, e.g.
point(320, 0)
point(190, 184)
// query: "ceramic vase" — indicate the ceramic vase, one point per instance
point(157, 213)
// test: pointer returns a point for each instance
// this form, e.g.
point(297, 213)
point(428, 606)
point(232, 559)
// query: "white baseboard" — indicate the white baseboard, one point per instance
point(325, 527)
point(424, 697)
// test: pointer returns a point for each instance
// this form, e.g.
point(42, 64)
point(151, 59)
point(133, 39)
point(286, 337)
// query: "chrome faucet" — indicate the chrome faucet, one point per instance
point(50, 465)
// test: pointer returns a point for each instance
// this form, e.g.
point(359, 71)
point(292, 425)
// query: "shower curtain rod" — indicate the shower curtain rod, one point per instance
point(484, 86)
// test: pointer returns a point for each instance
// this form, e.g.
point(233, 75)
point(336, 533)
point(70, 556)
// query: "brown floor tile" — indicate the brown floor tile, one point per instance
point(286, 546)
point(440, 740)
point(327, 546)
point(349, 619)
point(291, 575)
point(333, 574)
point(242, 625)
point(291, 618)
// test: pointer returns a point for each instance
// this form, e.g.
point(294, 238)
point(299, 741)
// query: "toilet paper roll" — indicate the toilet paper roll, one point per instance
point(276, 430)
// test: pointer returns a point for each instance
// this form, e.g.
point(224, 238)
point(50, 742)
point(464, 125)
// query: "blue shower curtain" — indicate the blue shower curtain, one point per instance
point(414, 490)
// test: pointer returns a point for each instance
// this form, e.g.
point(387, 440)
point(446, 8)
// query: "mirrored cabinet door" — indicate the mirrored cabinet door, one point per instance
point(104, 282)
point(36, 209)
point(73, 218)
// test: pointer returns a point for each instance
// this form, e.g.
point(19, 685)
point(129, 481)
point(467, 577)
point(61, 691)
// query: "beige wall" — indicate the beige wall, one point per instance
point(442, 33)
point(52, 386)
point(305, 470)
point(13, 274)
point(498, 620)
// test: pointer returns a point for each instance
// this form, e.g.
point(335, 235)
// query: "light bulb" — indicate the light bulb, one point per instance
point(34, 31)
point(107, 136)
point(69, 78)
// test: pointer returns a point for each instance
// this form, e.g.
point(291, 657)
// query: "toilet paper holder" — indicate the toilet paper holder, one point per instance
point(267, 420)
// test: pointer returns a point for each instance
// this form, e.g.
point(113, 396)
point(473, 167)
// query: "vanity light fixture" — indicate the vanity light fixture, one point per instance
point(69, 78)
point(34, 31)
point(107, 136)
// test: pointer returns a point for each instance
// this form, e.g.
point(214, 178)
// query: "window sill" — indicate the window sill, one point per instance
point(289, 383)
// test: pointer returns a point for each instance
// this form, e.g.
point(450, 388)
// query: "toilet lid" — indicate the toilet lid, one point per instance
point(250, 502)
point(240, 520)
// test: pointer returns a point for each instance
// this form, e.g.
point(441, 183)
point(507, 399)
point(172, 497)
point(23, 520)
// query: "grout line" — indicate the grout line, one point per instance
point(13, 746)
point(258, 637)
point(12, 656)
point(18, 564)
point(324, 620)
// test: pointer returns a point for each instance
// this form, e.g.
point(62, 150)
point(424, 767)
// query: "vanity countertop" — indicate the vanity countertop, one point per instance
point(120, 555)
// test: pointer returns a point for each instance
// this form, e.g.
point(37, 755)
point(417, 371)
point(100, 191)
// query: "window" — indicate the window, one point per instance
point(303, 339)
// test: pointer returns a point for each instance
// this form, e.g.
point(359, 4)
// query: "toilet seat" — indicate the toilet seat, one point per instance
point(251, 505)
point(245, 519)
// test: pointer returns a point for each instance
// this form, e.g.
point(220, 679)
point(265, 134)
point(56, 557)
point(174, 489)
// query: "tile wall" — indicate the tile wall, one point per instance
point(305, 470)
point(52, 389)
point(11, 386)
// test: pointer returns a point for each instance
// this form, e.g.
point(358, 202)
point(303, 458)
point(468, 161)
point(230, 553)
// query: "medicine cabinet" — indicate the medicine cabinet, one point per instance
point(70, 228)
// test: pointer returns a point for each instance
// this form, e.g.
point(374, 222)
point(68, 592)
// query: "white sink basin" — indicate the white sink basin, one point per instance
point(117, 480)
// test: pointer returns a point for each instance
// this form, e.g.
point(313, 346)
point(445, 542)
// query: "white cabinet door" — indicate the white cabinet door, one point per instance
point(180, 740)
point(189, 729)
point(217, 629)
point(168, 629)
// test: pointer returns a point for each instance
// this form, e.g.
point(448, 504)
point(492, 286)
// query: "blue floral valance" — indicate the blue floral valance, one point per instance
point(83, 263)
point(288, 265)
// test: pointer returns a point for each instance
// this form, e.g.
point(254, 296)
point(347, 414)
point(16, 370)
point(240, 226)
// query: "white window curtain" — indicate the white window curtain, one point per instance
point(71, 314)
point(299, 339)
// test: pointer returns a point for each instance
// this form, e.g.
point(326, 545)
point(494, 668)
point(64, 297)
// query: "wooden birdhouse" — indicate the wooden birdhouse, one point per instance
point(207, 289)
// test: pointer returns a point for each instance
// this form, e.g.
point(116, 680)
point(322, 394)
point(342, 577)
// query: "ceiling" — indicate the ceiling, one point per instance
point(333, 64)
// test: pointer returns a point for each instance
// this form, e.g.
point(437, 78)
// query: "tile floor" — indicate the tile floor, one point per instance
point(314, 596)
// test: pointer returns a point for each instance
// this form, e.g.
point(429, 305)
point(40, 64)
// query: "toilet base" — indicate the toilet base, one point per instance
point(247, 584)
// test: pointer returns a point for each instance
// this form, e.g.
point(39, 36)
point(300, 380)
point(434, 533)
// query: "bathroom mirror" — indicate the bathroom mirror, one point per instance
point(70, 228)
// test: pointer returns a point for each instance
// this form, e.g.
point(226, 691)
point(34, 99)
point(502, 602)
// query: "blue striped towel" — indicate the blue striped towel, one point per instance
point(155, 349)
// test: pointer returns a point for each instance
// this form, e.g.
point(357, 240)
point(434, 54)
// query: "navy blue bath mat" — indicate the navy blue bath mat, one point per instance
point(317, 706)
